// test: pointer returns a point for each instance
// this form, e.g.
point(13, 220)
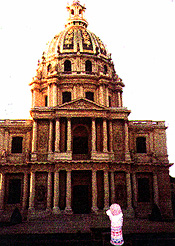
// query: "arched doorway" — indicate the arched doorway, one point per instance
point(81, 191)
point(80, 142)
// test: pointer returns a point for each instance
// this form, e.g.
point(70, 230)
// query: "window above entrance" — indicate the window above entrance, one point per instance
point(90, 95)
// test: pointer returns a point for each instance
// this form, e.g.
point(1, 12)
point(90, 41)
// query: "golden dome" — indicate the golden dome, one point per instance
point(76, 38)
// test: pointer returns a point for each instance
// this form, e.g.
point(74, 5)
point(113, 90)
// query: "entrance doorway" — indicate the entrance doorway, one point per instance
point(81, 199)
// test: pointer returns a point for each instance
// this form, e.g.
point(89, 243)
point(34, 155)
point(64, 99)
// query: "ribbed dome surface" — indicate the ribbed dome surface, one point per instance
point(75, 39)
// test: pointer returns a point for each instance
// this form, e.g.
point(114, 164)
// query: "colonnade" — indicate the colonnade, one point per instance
point(107, 136)
point(130, 189)
point(131, 196)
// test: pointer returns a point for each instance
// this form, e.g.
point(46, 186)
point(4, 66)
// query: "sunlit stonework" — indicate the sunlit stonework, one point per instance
point(79, 153)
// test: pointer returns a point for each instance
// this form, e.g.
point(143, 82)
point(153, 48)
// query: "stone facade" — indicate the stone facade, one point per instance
point(79, 153)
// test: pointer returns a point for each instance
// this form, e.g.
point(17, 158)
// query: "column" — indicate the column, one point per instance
point(106, 190)
point(55, 95)
point(151, 143)
point(50, 136)
point(49, 95)
point(112, 188)
point(156, 189)
point(127, 154)
point(32, 191)
point(56, 193)
point(129, 191)
point(129, 195)
point(68, 208)
point(49, 190)
point(58, 96)
point(57, 136)
point(119, 99)
point(34, 98)
point(110, 137)
point(25, 191)
point(101, 95)
point(34, 139)
point(134, 189)
point(107, 97)
point(32, 104)
point(2, 190)
point(94, 191)
point(69, 135)
point(6, 141)
point(105, 137)
point(93, 136)
point(74, 93)
point(81, 91)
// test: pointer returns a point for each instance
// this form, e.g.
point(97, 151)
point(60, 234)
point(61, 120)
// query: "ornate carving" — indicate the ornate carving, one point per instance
point(87, 44)
point(81, 104)
point(102, 47)
point(86, 38)
point(68, 42)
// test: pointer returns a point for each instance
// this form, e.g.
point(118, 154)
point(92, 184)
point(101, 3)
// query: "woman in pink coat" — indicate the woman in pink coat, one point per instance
point(116, 217)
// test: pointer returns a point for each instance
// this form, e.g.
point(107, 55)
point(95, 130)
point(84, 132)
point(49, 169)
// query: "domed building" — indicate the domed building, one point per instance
point(79, 153)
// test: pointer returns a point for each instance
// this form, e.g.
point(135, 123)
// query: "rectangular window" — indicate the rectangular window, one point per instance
point(46, 101)
point(109, 98)
point(14, 193)
point(144, 190)
point(141, 144)
point(66, 97)
point(90, 95)
point(17, 145)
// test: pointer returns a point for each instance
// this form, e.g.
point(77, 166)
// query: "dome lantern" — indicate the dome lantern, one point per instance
point(76, 14)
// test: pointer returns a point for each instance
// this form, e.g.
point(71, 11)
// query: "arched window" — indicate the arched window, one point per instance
point(141, 144)
point(105, 69)
point(72, 12)
point(67, 66)
point(49, 67)
point(88, 66)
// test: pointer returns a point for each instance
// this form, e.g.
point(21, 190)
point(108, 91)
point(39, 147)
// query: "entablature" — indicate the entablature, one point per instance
point(80, 108)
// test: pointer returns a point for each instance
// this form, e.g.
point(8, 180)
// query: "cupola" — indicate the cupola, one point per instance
point(76, 14)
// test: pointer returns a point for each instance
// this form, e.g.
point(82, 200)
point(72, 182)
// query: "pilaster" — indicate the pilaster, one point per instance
point(130, 210)
point(49, 191)
point(56, 209)
point(32, 191)
point(112, 188)
point(106, 190)
point(94, 191)
point(25, 191)
point(2, 191)
point(68, 208)
point(127, 153)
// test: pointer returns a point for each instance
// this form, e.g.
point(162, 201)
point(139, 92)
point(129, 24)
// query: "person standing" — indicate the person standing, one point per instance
point(116, 217)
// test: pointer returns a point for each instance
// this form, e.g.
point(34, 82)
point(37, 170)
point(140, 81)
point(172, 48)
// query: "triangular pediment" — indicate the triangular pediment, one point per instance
point(81, 104)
